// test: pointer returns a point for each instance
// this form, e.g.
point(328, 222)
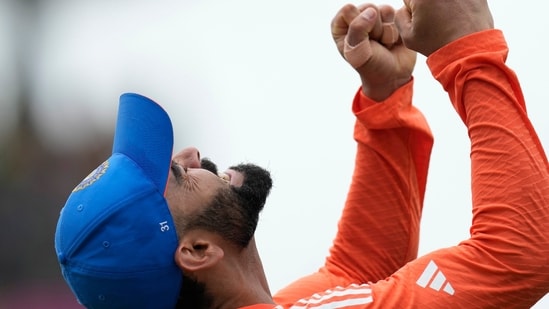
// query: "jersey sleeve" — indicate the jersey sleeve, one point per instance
point(378, 231)
point(504, 263)
point(379, 227)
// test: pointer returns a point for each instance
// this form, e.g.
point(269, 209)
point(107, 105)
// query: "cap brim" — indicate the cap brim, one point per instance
point(144, 133)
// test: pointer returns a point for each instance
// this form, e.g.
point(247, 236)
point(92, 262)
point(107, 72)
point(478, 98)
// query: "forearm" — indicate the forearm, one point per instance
point(510, 179)
point(379, 228)
point(505, 260)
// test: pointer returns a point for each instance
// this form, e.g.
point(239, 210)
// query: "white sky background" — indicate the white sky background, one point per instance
point(262, 82)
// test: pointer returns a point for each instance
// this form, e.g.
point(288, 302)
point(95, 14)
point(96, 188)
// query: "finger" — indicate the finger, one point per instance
point(340, 23)
point(377, 30)
point(362, 26)
point(389, 35)
point(359, 54)
point(357, 49)
point(387, 14)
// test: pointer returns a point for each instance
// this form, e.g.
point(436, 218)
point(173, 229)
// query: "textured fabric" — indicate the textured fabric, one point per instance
point(372, 263)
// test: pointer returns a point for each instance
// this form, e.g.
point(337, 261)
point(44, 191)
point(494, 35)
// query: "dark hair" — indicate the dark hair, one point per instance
point(233, 213)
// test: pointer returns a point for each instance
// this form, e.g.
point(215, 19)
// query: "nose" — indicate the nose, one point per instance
point(188, 157)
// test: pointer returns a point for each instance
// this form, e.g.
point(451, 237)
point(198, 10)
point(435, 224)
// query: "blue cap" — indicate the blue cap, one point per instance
point(115, 238)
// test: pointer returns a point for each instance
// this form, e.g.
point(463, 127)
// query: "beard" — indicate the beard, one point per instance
point(233, 213)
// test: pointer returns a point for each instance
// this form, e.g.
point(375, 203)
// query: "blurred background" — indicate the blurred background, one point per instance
point(244, 81)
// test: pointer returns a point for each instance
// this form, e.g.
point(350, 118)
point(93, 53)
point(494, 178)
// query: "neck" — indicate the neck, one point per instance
point(244, 282)
point(257, 266)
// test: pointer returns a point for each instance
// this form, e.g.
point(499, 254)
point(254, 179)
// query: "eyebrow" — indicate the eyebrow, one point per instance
point(208, 165)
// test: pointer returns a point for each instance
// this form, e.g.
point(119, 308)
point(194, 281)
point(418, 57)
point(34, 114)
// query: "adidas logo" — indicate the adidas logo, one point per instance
point(432, 277)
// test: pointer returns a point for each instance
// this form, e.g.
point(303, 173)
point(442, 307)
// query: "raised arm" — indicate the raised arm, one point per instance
point(379, 228)
point(504, 264)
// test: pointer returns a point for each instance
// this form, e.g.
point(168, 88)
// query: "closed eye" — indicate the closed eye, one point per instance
point(176, 170)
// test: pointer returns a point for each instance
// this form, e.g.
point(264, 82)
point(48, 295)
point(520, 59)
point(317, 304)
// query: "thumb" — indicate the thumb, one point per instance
point(361, 26)
point(357, 49)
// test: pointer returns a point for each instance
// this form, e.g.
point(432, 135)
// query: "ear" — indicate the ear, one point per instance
point(196, 254)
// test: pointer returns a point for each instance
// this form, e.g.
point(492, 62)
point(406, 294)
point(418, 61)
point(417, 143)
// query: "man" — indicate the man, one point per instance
point(132, 224)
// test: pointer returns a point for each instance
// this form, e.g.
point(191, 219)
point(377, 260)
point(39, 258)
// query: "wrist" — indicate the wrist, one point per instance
point(380, 91)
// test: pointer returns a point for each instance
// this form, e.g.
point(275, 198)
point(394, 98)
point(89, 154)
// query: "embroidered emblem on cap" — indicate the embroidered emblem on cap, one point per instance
point(93, 176)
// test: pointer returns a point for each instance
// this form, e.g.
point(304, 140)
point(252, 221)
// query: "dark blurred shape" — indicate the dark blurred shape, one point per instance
point(38, 296)
point(34, 184)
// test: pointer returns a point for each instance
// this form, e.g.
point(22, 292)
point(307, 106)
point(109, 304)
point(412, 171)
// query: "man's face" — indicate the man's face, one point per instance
point(191, 186)
point(228, 203)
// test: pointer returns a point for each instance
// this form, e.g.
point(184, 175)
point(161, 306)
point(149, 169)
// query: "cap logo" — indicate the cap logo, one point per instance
point(93, 176)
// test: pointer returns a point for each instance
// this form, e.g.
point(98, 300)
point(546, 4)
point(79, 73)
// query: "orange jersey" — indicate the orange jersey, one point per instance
point(504, 264)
